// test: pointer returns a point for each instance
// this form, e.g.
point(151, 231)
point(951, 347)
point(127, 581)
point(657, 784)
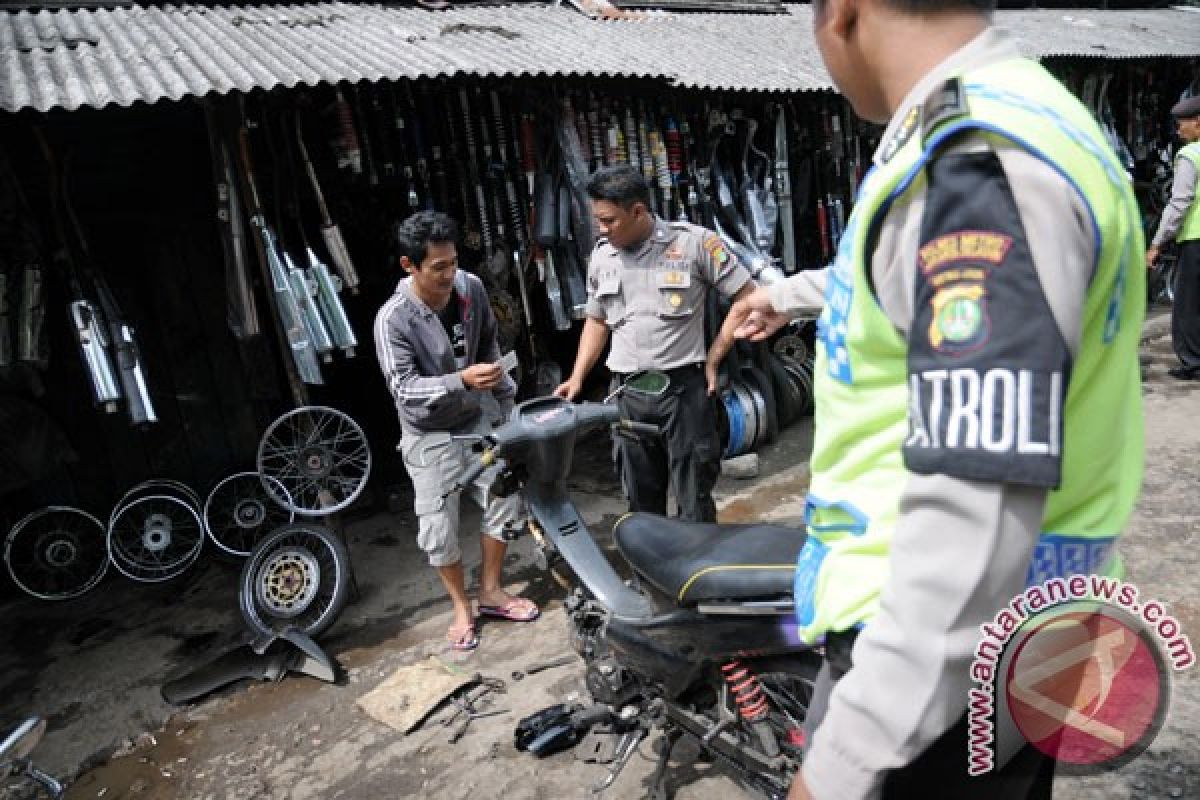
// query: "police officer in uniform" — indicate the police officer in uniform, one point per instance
point(648, 280)
point(1181, 221)
point(978, 423)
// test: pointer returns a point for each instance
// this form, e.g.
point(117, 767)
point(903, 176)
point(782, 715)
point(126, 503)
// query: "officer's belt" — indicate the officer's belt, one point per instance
point(678, 373)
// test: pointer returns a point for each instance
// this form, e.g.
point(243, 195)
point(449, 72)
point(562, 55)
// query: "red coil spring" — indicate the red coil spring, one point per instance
point(349, 139)
point(674, 148)
point(747, 691)
point(528, 161)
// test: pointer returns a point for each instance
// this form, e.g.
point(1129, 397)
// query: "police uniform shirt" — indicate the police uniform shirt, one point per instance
point(968, 522)
point(652, 296)
point(1183, 194)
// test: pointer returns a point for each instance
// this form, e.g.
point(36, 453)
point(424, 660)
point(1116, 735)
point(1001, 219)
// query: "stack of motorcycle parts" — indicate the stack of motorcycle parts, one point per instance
point(155, 532)
point(56, 553)
point(239, 511)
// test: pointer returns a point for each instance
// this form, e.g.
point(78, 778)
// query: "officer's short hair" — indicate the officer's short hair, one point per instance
point(414, 234)
point(620, 184)
point(930, 6)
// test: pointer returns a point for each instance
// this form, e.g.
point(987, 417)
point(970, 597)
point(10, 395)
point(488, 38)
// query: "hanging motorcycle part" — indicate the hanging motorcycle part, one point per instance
point(88, 327)
point(121, 336)
point(241, 308)
point(298, 576)
point(319, 455)
point(322, 306)
point(56, 553)
point(155, 538)
point(303, 367)
point(239, 512)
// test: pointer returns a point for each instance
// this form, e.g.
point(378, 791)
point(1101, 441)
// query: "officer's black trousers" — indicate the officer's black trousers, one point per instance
point(1185, 312)
point(686, 458)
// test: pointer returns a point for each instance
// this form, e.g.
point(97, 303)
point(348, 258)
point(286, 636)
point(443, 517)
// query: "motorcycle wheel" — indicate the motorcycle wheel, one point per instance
point(297, 576)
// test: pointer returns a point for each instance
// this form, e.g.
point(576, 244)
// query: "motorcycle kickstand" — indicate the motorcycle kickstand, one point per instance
point(625, 750)
point(658, 781)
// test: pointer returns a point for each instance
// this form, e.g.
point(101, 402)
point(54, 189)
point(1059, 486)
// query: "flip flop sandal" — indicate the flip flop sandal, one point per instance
point(466, 640)
point(509, 610)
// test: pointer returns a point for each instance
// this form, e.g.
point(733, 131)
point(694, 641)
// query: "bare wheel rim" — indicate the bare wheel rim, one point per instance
point(155, 538)
point(156, 486)
point(239, 511)
point(296, 582)
point(318, 456)
point(56, 553)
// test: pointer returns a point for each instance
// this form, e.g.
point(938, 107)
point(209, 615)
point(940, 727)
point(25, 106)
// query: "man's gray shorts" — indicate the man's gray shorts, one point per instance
point(437, 517)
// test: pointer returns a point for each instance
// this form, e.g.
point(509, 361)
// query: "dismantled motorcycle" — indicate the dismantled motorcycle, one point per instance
point(15, 761)
point(700, 643)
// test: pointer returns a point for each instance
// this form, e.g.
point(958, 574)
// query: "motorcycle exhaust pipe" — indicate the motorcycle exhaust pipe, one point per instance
point(89, 334)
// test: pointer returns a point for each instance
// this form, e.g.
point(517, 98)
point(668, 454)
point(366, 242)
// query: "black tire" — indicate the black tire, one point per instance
point(297, 576)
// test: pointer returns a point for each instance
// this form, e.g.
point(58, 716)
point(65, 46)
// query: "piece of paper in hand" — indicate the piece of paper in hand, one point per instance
point(509, 361)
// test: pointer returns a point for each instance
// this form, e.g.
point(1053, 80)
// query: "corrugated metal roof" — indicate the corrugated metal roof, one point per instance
point(95, 58)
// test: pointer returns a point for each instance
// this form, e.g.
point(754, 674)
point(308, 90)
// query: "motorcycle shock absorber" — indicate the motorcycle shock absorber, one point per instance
point(751, 702)
point(747, 692)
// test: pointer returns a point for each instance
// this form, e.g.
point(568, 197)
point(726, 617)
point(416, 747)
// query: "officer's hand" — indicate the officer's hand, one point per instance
point(482, 376)
point(1151, 257)
point(799, 790)
point(753, 317)
point(569, 389)
point(710, 377)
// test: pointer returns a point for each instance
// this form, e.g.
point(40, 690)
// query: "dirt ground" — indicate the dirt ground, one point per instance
point(94, 667)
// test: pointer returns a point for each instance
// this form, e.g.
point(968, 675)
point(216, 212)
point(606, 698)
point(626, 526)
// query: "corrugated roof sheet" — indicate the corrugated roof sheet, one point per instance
point(95, 58)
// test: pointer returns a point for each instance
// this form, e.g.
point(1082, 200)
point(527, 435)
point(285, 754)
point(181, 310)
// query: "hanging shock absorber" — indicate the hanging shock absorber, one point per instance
point(751, 702)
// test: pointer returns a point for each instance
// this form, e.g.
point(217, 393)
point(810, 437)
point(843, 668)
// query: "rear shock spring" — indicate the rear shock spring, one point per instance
point(747, 691)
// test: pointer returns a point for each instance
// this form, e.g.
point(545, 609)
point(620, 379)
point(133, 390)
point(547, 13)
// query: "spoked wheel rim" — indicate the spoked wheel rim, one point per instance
point(295, 577)
point(239, 512)
point(314, 460)
point(155, 538)
point(56, 553)
point(156, 486)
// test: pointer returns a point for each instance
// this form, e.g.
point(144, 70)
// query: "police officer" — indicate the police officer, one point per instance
point(1181, 221)
point(648, 281)
point(978, 420)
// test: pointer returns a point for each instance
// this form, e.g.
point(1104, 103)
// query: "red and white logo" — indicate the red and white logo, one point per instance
point(1086, 687)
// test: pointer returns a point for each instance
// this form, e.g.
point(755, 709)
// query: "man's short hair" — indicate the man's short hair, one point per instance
point(414, 234)
point(620, 184)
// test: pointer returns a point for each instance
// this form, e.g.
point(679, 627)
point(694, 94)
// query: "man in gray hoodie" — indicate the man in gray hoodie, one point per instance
point(436, 343)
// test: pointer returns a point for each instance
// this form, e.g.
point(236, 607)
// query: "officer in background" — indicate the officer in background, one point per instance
point(1181, 221)
point(979, 421)
point(648, 280)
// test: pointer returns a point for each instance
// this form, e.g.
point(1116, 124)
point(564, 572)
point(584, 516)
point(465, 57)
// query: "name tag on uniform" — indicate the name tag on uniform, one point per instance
point(674, 279)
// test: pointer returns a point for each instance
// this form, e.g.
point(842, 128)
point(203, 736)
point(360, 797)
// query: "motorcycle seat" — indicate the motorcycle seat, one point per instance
point(695, 562)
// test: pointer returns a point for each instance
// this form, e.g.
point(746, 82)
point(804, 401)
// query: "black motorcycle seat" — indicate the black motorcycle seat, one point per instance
point(695, 562)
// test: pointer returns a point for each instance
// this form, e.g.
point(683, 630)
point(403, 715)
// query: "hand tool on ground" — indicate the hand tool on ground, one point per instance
point(561, 661)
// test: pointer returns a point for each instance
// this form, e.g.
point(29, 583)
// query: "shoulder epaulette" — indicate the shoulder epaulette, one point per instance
point(947, 102)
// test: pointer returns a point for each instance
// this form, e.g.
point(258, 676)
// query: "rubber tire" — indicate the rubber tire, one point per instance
point(262, 550)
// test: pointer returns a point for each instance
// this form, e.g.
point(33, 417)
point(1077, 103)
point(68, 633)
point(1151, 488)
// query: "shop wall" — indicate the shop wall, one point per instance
point(140, 185)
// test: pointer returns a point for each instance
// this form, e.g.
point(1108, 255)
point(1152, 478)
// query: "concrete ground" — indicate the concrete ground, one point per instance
point(94, 666)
